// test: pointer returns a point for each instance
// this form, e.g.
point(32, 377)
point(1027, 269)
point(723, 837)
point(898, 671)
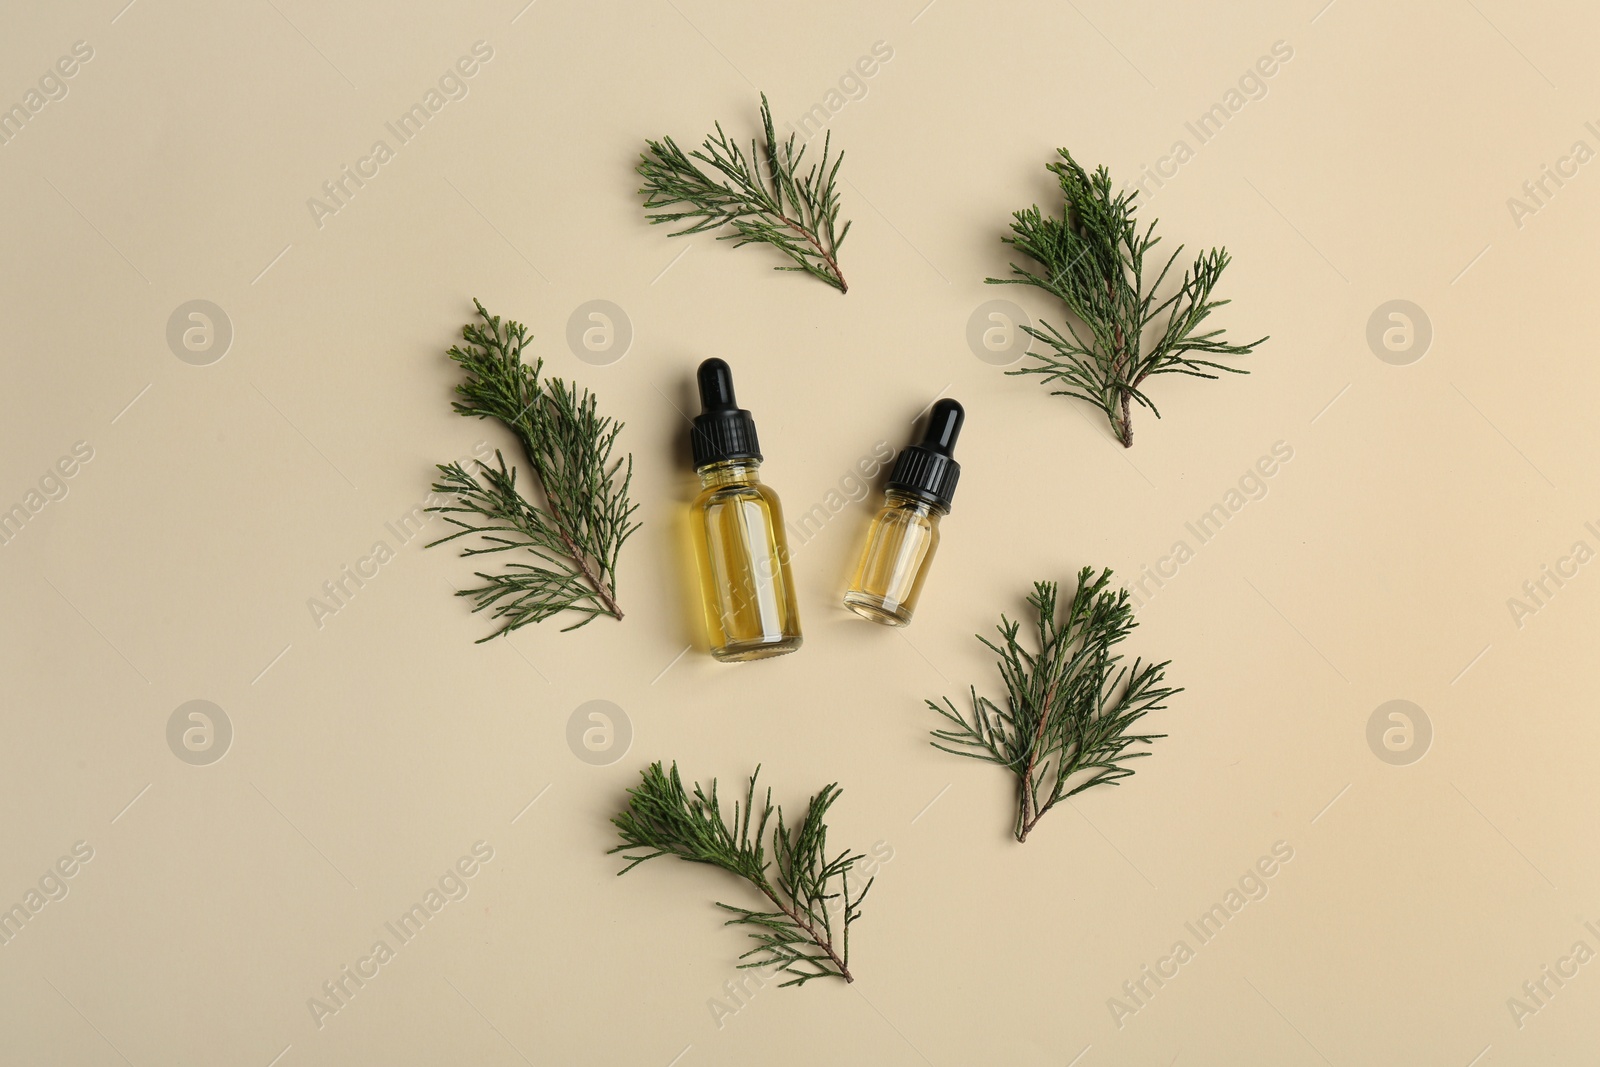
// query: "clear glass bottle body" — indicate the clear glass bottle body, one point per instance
point(894, 564)
point(745, 585)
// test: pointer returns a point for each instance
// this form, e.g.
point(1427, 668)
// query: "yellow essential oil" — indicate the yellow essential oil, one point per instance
point(905, 533)
point(737, 526)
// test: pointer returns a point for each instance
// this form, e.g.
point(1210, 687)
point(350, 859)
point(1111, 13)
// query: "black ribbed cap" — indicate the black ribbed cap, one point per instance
point(723, 430)
point(928, 469)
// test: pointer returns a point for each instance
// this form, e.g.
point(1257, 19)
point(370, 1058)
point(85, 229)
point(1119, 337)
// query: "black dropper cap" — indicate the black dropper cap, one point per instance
point(723, 430)
point(928, 469)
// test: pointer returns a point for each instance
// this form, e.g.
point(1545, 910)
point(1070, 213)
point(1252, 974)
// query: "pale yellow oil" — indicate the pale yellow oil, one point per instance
point(745, 585)
point(894, 564)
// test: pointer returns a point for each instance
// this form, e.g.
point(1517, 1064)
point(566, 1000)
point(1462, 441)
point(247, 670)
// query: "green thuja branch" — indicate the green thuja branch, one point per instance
point(807, 934)
point(566, 537)
point(1067, 719)
point(1119, 331)
point(766, 197)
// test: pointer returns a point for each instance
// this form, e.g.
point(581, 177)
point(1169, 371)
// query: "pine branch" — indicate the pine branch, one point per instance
point(576, 529)
point(1119, 332)
point(1069, 708)
point(809, 891)
point(764, 196)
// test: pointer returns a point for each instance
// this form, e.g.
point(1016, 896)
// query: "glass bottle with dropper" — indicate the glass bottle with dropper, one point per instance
point(901, 543)
point(737, 528)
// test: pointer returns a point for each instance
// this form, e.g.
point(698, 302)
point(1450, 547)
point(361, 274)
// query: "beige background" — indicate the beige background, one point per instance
point(369, 754)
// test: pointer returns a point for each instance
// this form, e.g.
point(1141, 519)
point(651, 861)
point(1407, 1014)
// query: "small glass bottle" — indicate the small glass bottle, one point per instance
point(903, 537)
point(737, 526)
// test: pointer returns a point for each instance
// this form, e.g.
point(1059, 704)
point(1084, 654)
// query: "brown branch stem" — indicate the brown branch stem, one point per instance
point(586, 567)
point(1027, 818)
point(589, 571)
point(833, 264)
point(795, 916)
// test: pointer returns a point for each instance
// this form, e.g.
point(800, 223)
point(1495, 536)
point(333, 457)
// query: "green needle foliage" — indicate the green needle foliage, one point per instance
point(766, 196)
point(1069, 708)
point(1094, 263)
point(567, 541)
point(809, 890)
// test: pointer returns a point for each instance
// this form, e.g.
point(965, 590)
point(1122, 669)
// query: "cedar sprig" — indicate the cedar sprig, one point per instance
point(807, 935)
point(1070, 708)
point(1119, 331)
point(578, 516)
point(767, 196)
